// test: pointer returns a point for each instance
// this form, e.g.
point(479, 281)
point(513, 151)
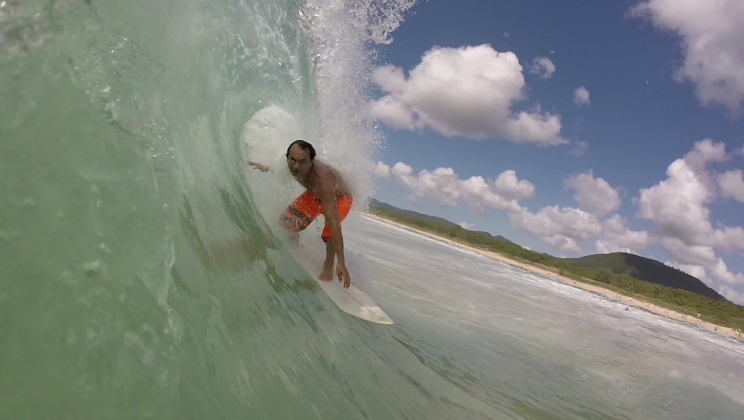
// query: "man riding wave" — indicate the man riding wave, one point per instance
point(328, 194)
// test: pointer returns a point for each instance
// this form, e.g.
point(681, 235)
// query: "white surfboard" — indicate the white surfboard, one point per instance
point(353, 300)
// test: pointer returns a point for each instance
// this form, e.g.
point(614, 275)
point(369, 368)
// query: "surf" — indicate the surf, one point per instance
point(141, 274)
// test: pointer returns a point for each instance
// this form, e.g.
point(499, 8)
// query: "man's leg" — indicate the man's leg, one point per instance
point(299, 215)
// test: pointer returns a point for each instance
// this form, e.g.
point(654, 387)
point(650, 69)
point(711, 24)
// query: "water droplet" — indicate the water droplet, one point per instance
point(71, 337)
point(92, 268)
point(68, 278)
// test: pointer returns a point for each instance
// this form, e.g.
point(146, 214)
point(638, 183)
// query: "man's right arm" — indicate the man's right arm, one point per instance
point(261, 167)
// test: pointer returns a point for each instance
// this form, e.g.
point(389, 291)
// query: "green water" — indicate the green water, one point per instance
point(136, 278)
point(141, 274)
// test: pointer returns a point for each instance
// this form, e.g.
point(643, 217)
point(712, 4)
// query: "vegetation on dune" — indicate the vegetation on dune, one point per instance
point(648, 270)
point(630, 275)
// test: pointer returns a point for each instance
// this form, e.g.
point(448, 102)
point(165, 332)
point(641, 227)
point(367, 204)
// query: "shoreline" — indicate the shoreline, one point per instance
point(610, 294)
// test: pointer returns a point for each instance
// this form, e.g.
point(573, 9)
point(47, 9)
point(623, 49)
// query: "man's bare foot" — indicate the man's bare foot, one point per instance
point(327, 273)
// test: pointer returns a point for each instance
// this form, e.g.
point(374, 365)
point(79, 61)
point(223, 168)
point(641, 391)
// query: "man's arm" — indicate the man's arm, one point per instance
point(330, 210)
point(261, 167)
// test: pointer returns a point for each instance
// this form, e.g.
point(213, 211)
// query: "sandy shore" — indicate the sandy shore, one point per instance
point(729, 332)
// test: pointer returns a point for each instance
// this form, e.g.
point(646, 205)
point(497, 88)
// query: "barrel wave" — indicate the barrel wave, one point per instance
point(144, 274)
point(139, 277)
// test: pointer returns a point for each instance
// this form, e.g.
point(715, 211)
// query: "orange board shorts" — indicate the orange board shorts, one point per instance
point(307, 208)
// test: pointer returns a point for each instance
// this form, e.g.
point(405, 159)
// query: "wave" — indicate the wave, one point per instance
point(142, 275)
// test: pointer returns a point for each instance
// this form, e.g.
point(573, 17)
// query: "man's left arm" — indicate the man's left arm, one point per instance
point(330, 209)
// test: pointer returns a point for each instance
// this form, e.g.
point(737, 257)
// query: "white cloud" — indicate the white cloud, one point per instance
point(732, 184)
point(509, 186)
point(382, 171)
point(616, 237)
point(466, 225)
point(732, 295)
point(721, 272)
point(595, 196)
point(467, 92)
point(543, 67)
point(444, 186)
point(579, 149)
point(559, 227)
point(689, 254)
point(712, 35)
point(697, 271)
point(562, 228)
point(678, 204)
point(394, 114)
point(581, 96)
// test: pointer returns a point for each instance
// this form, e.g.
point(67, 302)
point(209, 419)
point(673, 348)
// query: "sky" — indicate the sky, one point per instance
point(573, 128)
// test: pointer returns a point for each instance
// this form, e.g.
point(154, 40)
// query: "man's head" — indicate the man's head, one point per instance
point(300, 157)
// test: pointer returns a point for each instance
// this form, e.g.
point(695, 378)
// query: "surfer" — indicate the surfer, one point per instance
point(328, 194)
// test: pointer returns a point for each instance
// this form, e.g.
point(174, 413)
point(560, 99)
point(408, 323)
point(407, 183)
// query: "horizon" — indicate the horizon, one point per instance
point(573, 129)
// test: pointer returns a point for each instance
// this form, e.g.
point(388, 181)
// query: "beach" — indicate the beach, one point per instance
point(630, 301)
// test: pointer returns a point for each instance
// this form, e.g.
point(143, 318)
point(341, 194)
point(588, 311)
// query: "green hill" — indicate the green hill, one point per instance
point(627, 274)
point(646, 269)
point(432, 223)
point(421, 216)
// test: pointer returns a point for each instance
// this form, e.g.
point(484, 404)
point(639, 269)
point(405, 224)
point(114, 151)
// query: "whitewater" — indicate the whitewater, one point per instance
point(143, 273)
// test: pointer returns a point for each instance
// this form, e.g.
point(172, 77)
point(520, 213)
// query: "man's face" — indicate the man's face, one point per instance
point(299, 162)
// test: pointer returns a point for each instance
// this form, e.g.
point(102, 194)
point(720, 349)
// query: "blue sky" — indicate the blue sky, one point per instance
point(657, 95)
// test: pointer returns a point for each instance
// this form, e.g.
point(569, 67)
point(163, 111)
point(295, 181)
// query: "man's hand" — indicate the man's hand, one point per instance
point(259, 166)
point(343, 275)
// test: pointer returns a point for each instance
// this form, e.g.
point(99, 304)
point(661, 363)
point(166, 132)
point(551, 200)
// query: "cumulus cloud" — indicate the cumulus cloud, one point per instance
point(508, 185)
point(731, 294)
point(678, 204)
point(595, 196)
point(721, 272)
point(581, 96)
point(732, 184)
point(712, 39)
point(689, 254)
point(543, 67)
point(579, 149)
point(466, 225)
point(467, 92)
point(561, 227)
point(394, 114)
point(697, 271)
point(382, 170)
point(445, 187)
point(616, 237)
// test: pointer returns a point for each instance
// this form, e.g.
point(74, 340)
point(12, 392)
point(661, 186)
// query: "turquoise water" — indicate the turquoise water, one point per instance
point(142, 274)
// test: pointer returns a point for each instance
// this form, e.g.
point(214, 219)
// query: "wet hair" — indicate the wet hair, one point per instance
point(304, 146)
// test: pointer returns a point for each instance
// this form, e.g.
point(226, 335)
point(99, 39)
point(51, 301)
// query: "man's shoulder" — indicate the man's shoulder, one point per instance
point(326, 173)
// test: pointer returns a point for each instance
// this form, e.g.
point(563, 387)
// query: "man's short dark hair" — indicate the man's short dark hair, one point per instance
point(304, 146)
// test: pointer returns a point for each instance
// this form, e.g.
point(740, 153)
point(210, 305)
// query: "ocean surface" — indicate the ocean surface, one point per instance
point(143, 274)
